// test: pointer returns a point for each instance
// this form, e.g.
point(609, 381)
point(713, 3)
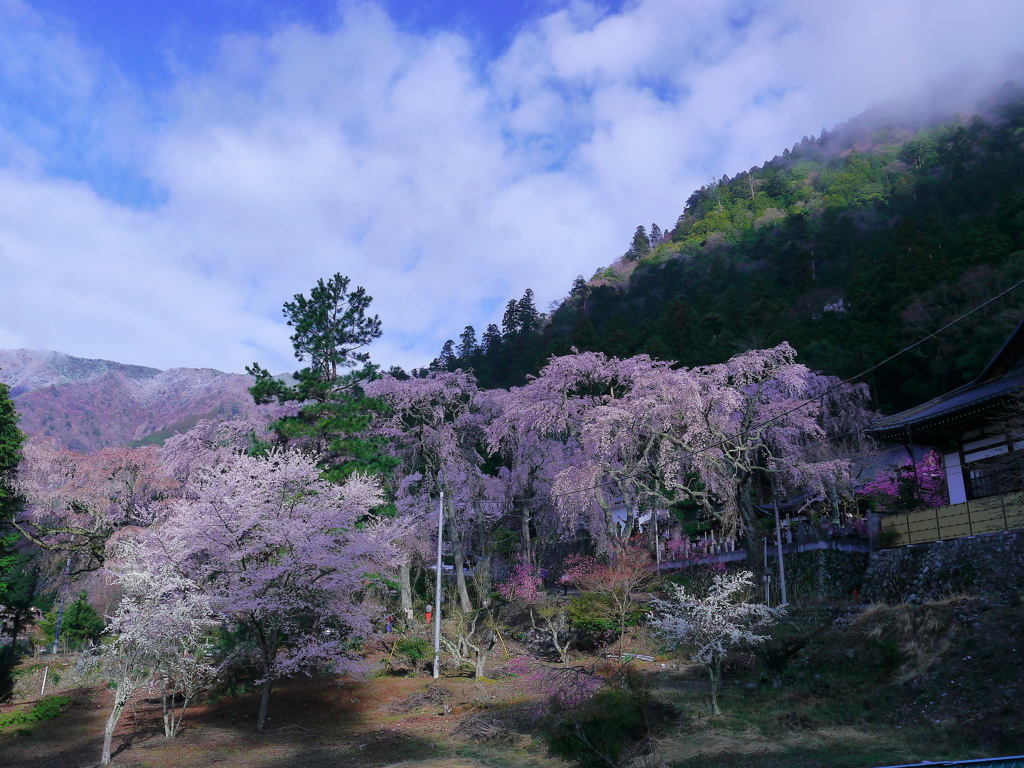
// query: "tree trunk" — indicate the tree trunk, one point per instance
point(609, 519)
point(181, 716)
point(482, 569)
point(108, 732)
point(261, 718)
point(562, 648)
point(16, 625)
point(480, 662)
point(751, 542)
point(459, 556)
point(481, 652)
point(715, 672)
point(168, 713)
point(524, 533)
point(405, 591)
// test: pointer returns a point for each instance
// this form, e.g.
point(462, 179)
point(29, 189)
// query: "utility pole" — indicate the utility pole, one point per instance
point(437, 589)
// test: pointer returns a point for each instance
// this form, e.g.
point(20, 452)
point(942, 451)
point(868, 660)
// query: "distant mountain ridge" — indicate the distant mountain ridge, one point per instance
point(88, 404)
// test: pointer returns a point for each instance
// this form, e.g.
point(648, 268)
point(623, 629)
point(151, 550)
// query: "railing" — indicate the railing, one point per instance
point(989, 762)
point(989, 515)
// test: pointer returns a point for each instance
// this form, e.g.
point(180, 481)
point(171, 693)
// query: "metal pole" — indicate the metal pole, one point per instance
point(767, 575)
point(657, 542)
point(437, 589)
point(778, 544)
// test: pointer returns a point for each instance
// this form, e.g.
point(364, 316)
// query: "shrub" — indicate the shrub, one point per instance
point(47, 709)
point(414, 650)
point(597, 731)
point(589, 617)
point(81, 622)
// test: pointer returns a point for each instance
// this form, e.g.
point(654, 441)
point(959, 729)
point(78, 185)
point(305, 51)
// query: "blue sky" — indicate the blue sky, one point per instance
point(172, 171)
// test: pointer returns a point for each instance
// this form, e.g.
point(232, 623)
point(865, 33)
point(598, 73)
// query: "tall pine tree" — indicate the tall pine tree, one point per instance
point(331, 329)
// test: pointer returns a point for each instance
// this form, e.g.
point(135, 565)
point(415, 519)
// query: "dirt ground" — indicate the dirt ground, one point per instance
point(898, 685)
point(383, 721)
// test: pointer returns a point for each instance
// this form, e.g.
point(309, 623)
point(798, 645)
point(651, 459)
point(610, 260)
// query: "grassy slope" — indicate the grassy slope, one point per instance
point(897, 685)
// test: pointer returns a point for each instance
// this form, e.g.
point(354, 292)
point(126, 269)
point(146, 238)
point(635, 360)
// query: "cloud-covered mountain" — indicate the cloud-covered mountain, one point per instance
point(90, 404)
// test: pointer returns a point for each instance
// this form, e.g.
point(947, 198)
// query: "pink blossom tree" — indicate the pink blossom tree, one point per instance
point(281, 553)
point(634, 433)
point(758, 415)
point(524, 584)
point(604, 421)
point(910, 485)
point(436, 429)
point(529, 466)
point(210, 442)
point(76, 502)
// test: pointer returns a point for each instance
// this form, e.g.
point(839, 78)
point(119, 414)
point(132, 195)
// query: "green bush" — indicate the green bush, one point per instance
point(413, 649)
point(47, 709)
point(590, 617)
point(599, 731)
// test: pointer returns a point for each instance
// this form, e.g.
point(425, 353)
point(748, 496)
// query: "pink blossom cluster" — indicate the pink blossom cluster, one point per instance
point(910, 484)
point(523, 586)
point(562, 687)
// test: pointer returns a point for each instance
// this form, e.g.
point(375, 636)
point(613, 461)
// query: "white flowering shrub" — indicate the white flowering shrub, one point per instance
point(710, 626)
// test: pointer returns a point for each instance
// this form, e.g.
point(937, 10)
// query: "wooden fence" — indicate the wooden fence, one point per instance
point(988, 515)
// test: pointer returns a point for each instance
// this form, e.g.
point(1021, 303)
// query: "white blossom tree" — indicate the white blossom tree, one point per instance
point(161, 622)
point(711, 625)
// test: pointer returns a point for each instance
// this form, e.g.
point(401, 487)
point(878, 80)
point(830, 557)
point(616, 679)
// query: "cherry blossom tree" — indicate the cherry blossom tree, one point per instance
point(76, 502)
point(634, 434)
point(524, 585)
point(604, 421)
point(711, 625)
point(210, 442)
point(529, 466)
point(758, 414)
point(436, 429)
point(281, 554)
point(162, 620)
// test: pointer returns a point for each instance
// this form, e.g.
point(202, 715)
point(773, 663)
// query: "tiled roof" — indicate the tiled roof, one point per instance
point(1002, 377)
point(969, 399)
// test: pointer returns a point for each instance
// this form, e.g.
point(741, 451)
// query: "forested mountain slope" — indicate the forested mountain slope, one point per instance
point(89, 404)
point(849, 246)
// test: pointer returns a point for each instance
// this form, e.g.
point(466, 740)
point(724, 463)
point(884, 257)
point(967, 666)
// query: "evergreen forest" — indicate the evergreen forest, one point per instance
point(850, 246)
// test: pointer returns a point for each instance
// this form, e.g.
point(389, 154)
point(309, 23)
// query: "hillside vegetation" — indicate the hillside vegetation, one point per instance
point(849, 246)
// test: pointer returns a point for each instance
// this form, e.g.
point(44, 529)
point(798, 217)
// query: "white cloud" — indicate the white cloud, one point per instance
point(443, 184)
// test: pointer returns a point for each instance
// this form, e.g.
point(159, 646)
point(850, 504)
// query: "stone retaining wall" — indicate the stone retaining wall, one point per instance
point(822, 575)
point(990, 565)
